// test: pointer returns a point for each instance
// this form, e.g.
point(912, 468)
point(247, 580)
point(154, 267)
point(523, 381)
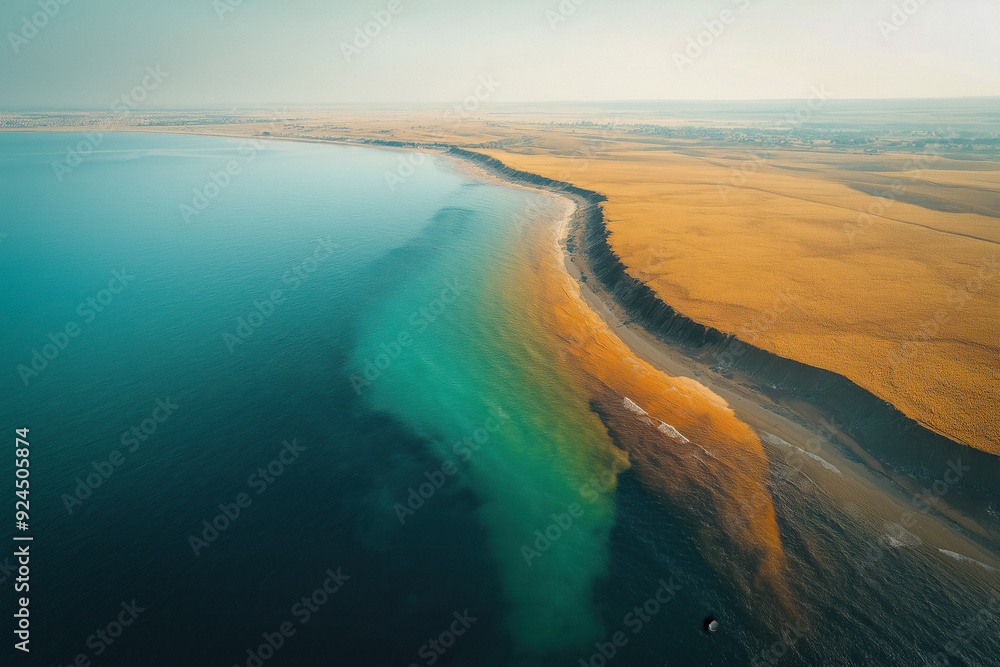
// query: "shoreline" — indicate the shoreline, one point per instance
point(766, 406)
point(767, 409)
point(697, 338)
point(944, 525)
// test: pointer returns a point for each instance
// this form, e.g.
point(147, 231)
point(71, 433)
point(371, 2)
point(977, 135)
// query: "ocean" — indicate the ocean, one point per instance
point(296, 404)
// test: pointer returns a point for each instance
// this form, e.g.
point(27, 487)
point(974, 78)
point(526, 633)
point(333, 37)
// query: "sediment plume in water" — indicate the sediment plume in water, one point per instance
point(483, 386)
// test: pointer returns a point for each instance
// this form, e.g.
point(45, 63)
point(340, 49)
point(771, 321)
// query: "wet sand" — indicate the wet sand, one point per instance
point(794, 421)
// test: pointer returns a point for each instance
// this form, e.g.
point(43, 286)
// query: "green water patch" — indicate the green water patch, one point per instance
point(460, 358)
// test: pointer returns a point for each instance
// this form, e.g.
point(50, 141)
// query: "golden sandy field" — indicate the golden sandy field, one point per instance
point(780, 254)
point(883, 268)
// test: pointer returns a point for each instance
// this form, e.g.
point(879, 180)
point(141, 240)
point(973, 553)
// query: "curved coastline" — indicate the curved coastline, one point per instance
point(678, 510)
point(879, 427)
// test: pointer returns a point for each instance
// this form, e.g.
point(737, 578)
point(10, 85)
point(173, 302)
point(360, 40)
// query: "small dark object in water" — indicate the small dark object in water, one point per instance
point(711, 625)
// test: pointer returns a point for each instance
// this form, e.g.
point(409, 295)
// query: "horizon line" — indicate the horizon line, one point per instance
point(332, 105)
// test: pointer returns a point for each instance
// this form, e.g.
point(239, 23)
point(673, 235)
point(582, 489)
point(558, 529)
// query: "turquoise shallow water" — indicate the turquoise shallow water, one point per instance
point(431, 429)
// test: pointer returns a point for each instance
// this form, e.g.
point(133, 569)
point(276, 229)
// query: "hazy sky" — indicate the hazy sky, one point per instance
point(90, 52)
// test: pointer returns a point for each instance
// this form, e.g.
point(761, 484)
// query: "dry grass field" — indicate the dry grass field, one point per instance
point(791, 255)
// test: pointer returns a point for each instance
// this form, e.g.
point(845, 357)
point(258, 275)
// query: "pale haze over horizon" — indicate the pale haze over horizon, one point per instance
point(85, 53)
